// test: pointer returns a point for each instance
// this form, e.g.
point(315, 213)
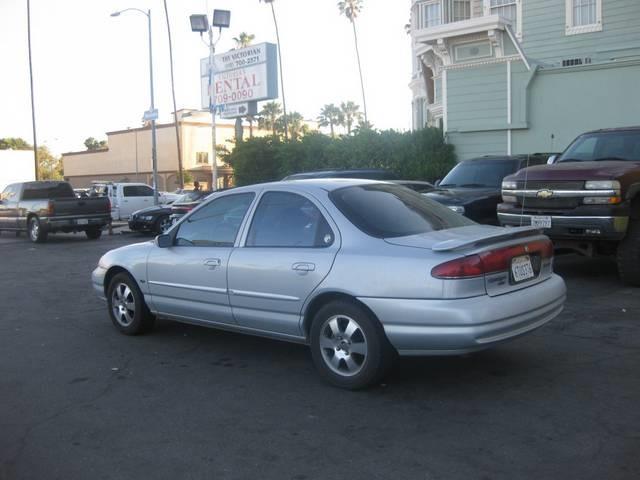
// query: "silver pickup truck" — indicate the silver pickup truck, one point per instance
point(40, 208)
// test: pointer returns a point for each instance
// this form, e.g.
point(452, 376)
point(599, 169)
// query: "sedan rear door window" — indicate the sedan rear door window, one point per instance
point(285, 219)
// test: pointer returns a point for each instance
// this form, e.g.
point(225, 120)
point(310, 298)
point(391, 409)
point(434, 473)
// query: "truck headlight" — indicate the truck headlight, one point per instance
point(509, 185)
point(457, 208)
point(603, 185)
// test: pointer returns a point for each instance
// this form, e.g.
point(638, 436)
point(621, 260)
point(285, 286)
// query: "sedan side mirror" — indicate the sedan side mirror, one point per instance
point(552, 159)
point(164, 241)
point(437, 184)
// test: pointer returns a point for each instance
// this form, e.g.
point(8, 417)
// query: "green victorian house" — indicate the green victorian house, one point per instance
point(524, 76)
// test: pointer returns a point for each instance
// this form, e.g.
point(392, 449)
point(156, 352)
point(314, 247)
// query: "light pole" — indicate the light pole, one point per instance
point(200, 24)
point(33, 105)
point(284, 98)
point(154, 155)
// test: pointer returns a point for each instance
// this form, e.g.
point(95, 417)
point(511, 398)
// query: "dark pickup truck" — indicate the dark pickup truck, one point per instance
point(40, 208)
point(586, 200)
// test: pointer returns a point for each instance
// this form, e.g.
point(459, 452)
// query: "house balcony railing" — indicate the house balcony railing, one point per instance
point(431, 13)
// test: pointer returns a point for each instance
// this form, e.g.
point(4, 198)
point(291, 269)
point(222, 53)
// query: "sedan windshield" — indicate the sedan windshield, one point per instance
point(604, 146)
point(478, 174)
point(387, 211)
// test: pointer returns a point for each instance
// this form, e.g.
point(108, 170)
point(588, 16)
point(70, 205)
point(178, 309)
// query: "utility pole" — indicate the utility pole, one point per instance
point(212, 109)
point(33, 106)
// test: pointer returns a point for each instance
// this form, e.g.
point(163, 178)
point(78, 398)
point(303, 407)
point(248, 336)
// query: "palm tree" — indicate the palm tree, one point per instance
point(284, 101)
point(330, 116)
point(244, 40)
point(251, 119)
point(352, 114)
point(295, 121)
point(269, 116)
point(351, 9)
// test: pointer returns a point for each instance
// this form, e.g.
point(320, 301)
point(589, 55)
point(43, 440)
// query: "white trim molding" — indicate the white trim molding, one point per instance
point(572, 29)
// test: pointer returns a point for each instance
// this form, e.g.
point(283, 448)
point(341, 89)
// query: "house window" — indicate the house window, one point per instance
point(429, 14)
point(202, 157)
point(583, 16)
point(508, 9)
point(472, 51)
point(461, 10)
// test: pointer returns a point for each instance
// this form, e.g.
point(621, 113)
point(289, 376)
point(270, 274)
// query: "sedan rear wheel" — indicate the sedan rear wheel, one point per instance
point(127, 308)
point(348, 346)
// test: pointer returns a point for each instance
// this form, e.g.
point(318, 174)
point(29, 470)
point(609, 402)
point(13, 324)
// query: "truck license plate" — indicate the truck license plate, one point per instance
point(521, 269)
point(82, 221)
point(541, 221)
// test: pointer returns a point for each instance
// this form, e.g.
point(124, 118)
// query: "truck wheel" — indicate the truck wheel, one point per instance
point(93, 233)
point(127, 309)
point(628, 256)
point(37, 234)
point(348, 346)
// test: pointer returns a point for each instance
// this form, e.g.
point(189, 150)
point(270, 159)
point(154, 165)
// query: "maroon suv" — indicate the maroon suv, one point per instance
point(587, 199)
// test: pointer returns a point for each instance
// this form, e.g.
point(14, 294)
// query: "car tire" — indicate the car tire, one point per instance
point(628, 255)
point(162, 224)
point(37, 234)
point(127, 308)
point(348, 346)
point(93, 233)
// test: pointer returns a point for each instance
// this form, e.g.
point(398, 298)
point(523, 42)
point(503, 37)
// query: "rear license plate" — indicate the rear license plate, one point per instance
point(522, 269)
point(82, 221)
point(541, 221)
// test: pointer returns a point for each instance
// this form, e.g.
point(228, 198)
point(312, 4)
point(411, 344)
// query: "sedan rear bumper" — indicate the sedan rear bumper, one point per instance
point(453, 327)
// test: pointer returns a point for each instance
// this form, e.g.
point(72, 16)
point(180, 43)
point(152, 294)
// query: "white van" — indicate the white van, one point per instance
point(125, 198)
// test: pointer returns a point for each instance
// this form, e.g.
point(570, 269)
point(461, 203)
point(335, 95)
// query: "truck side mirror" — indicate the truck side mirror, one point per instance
point(552, 159)
point(164, 241)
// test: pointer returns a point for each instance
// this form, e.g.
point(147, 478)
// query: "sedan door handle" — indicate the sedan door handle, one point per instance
point(212, 263)
point(303, 267)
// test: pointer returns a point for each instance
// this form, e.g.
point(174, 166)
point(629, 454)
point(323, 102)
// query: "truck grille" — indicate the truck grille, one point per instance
point(551, 203)
point(544, 185)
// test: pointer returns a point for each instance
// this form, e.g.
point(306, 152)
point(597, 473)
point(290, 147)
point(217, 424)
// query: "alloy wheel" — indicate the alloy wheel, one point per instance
point(123, 304)
point(343, 345)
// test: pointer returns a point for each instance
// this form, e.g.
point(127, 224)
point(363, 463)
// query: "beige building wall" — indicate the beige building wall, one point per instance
point(128, 156)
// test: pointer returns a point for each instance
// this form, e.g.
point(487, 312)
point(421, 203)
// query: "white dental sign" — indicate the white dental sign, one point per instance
point(245, 75)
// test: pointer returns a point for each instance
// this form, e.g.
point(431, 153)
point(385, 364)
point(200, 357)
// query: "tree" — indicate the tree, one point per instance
point(295, 121)
point(11, 143)
point(351, 9)
point(351, 113)
point(244, 40)
point(269, 115)
point(49, 166)
point(330, 116)
point(93, 144)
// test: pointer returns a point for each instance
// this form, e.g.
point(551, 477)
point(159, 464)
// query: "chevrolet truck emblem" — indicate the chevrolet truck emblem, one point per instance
point(545, 194)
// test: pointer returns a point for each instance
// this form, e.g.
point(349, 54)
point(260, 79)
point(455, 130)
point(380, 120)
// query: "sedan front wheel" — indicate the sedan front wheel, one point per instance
point(348, 346)
point(129, 313)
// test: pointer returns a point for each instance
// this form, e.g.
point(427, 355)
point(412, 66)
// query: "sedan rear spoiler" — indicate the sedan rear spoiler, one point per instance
point(485, 238)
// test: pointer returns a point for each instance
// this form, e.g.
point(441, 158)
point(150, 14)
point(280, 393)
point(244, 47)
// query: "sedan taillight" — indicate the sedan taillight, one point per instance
point(492, 261)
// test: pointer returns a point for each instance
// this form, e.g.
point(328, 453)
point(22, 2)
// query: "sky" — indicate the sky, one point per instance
point(91, 70)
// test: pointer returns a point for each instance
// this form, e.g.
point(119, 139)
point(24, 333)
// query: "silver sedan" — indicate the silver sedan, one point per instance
point(360, 271)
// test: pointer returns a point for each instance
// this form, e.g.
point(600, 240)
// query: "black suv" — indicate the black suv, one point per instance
point(473, 187)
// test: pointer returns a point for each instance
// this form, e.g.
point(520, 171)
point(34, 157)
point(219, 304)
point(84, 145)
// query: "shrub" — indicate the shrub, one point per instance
point(419, 155)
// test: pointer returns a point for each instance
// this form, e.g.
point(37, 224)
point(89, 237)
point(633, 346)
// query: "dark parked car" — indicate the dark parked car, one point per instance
point(182, 207)
point(587, 200)
point(157, 219)
point(41, 208)
point(473, 187)
point(365, 173)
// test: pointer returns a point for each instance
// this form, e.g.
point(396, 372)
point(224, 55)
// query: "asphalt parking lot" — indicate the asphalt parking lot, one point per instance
point(78, 400)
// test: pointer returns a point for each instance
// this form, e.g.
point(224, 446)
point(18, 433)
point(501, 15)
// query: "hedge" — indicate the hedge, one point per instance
point(418, 155)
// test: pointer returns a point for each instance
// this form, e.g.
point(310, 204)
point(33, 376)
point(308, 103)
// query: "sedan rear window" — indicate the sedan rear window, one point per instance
point(388, 211)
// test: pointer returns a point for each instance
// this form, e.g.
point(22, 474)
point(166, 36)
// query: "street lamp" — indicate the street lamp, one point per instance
point(152, 111)
point(200, 24)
